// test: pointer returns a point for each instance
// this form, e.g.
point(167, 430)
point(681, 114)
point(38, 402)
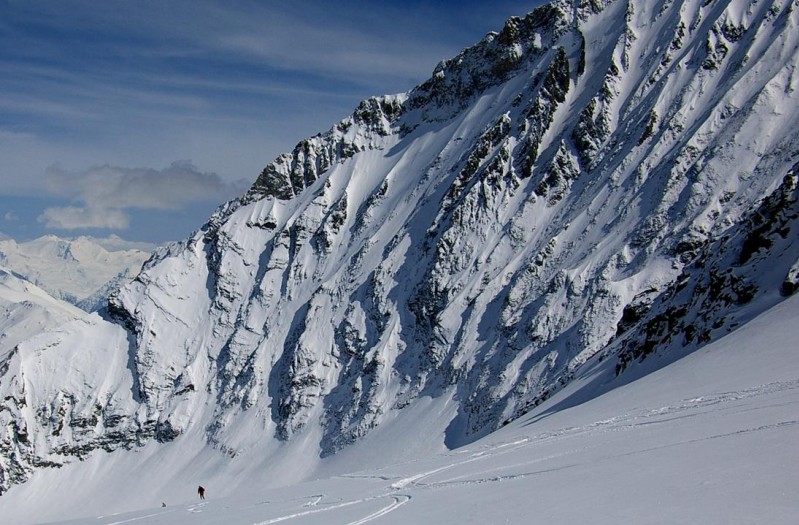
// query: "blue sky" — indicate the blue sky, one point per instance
point(139, 118)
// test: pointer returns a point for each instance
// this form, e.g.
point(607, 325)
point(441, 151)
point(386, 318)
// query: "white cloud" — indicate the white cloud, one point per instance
point(106, 193)
point(73, 218)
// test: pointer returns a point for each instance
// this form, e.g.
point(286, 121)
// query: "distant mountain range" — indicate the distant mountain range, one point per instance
point(81, 271)
point(597, 183)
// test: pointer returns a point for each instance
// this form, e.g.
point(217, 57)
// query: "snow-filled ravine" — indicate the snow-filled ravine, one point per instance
point(710, 438)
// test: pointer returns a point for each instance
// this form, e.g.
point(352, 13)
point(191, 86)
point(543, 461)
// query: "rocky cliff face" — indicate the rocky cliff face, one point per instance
point(564, 190)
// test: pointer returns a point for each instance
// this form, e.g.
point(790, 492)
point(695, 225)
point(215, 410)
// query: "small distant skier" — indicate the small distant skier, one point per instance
point(201, 492)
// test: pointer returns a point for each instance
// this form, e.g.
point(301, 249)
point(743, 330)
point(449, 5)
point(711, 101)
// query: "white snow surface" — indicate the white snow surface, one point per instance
point(73, 269)
point(26, 309)
point(710, 438)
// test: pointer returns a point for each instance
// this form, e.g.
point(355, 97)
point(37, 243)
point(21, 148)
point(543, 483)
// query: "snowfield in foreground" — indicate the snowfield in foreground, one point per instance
point(710, 438)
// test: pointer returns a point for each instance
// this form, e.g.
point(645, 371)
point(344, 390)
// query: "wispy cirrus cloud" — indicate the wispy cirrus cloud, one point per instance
point(106, 194)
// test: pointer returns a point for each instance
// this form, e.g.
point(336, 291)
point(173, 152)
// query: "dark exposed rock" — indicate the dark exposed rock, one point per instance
point(541, 113)
point(705, 297)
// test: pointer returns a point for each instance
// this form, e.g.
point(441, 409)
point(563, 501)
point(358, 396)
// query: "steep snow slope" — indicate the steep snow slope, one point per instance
point(707, 439)
point(74, 269)
point(26, 309)
point(600, 180)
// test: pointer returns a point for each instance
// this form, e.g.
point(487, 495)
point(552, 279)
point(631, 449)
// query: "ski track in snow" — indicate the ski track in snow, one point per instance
point(191, 508)
point(196, 508)
point(398, 490)
point(688, 408)
point(415, 478)
point(139, 518)
point(315, 501)
point(524, 456)
point(626, 422)
point(511, 477)
point(397, 501)
point(637, 419)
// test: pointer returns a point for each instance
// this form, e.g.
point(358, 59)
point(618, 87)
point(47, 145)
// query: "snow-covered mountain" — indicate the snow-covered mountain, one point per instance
point(26, 309)
point(708, 439)
point(599, 182)
point(77, 270)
